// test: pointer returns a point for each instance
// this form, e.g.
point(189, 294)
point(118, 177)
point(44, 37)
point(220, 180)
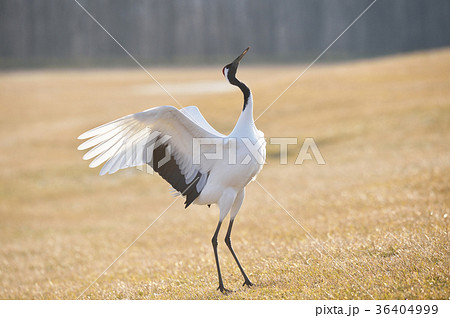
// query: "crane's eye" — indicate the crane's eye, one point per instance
point(223, 70)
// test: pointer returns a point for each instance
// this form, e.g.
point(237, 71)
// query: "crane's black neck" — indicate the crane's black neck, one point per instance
point(234, 81)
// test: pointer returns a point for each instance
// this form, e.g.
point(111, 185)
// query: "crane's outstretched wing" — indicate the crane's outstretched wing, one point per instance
point(161, 137)
point(194, 113)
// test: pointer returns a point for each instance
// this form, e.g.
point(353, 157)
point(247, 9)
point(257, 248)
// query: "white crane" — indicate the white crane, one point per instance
point(165, 138)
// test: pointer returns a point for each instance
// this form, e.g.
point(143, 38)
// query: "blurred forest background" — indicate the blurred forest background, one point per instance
point(58, 33)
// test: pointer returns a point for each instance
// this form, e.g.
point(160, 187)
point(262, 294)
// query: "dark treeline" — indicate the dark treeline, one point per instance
point(49, 32)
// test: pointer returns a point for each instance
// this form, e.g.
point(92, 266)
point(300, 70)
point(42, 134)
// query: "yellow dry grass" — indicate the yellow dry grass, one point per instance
point(377, 210)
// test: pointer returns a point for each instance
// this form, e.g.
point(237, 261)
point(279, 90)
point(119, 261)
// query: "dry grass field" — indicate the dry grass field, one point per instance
point(377, 211)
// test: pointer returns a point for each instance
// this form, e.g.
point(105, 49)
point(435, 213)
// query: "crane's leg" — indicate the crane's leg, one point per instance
point(225, 204)
point(216, 255)
point(228, 242)
point(234, 210)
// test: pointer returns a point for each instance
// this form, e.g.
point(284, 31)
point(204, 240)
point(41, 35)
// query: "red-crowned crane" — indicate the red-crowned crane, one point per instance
point(179, 144)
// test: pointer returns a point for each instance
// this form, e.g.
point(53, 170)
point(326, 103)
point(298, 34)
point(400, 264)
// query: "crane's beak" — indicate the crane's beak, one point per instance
point(239, 58)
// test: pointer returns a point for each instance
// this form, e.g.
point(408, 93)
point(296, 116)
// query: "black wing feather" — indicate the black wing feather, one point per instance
point(170, 171)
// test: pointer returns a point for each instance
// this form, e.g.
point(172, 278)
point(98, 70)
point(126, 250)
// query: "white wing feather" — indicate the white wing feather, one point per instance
point(194, 113)
point(125, 142)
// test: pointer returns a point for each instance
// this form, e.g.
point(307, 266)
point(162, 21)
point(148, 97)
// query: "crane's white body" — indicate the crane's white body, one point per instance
point(227, 180)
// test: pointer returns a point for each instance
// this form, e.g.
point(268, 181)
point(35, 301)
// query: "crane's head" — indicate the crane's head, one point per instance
point(229, 71)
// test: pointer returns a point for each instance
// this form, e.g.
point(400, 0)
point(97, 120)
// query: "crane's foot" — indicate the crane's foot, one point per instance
point(224, 291)
point(248, 283)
